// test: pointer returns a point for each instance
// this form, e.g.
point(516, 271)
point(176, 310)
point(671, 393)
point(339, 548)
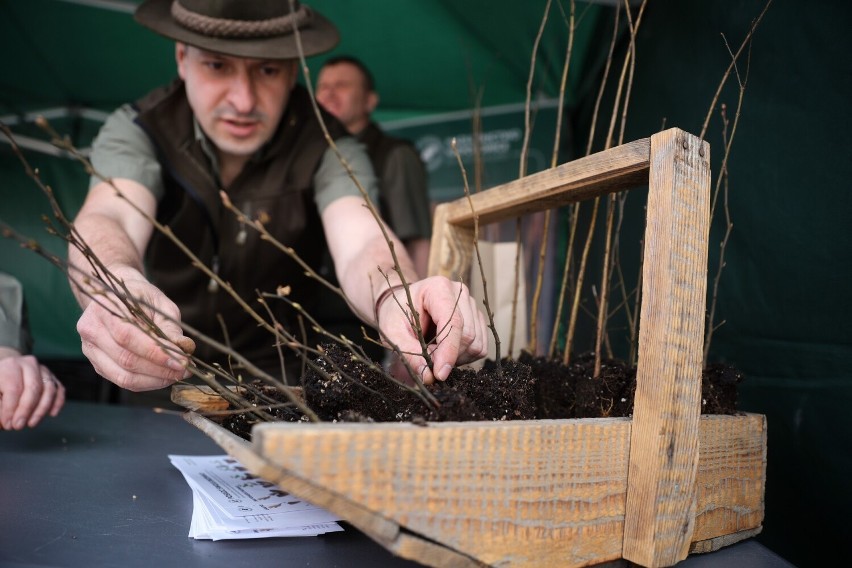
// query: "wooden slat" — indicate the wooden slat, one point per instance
point(559, 486)
point(612, 170)
point(518, 493)
point(664, 449)
point(730, 487)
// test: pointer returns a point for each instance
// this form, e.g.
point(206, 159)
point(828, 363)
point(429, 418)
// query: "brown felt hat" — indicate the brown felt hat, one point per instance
point(260, 29)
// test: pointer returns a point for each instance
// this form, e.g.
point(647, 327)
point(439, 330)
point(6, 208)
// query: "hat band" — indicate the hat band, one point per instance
point(227, 28)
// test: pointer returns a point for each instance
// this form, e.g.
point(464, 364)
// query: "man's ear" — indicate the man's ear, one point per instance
point(180, 57)
point(372, 101)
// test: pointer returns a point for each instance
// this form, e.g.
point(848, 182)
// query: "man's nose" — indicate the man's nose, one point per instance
point(241, 94)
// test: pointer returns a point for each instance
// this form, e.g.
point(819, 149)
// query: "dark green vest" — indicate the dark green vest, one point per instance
point(278, 182)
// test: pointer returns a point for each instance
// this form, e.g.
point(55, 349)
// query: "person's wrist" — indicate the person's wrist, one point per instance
point(6, 351)
point(126, 272)
point(387, 293)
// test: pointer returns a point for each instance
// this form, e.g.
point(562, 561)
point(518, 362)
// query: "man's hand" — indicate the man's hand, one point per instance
point(28, 391)
point(125, 354)
point(447, 309)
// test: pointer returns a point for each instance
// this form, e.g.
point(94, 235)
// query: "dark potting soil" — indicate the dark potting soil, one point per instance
point(524, 389)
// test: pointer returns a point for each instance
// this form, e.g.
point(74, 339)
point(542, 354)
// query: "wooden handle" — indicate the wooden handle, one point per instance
point(612, 170)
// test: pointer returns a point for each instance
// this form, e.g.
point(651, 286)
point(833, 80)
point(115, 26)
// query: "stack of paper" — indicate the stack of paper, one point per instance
point(230, 502)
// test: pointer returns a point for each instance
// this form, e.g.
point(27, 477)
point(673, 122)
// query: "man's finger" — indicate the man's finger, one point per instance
point(139, 380)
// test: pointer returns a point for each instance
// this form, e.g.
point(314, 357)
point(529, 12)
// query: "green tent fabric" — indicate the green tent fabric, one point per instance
point(92, 53)
point(783, 294)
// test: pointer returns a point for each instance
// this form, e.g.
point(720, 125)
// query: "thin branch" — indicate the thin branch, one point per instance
point(572, 321)
point(731, 67)
point(485, 301)
point(724, 175)
point(628, 65)
point(554, 157)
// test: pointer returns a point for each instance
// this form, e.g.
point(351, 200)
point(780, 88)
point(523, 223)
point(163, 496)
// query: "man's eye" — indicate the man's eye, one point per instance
point(214, 65)
point(270, 70)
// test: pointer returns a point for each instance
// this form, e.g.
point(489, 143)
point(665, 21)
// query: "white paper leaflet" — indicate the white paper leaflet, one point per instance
point(229, 503)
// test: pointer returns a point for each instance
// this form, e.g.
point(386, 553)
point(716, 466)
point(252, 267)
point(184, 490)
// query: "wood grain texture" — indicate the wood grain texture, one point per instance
point(525, 493)
point(664, 450)
point(506, 493)
point(731, 481)
point(612, 170)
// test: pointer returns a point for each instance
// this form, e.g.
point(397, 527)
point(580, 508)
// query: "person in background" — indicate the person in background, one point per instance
point(28, 390)
point(236, 123)
point(346, 89)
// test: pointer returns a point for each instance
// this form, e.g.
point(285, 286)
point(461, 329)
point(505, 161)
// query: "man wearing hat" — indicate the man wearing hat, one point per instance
point(236, 122)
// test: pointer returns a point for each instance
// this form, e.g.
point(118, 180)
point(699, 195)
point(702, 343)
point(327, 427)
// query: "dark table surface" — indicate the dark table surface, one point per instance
point(94, 487)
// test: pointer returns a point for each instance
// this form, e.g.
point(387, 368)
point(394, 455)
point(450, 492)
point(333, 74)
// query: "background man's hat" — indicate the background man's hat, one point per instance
point(260, 29)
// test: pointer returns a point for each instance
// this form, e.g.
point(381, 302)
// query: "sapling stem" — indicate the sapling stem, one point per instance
point(575, 305)
point(485, 301)
point(626, 69)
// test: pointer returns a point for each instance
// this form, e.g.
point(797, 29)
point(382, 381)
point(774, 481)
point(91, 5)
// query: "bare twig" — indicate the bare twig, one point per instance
point(485, 301)
point(554, 157)
point(516, 288)
point(730, 68)
point(572, 321)
point(724, 178)
point(527, 126)
point(523, 172)
point(628, 65)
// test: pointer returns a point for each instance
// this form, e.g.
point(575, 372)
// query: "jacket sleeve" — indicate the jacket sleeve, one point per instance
point(14, 331)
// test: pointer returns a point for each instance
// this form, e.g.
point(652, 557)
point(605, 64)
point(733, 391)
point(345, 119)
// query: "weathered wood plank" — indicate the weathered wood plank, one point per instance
point(731, 480)
point(522, 493)
point(664, 449)
point(612, 170)
point(527, 493)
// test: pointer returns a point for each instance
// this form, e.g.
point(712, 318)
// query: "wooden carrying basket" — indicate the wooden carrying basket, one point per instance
point(650, 489)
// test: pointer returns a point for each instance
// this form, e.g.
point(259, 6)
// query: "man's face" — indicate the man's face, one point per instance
point(238, 102)
point(342, 90)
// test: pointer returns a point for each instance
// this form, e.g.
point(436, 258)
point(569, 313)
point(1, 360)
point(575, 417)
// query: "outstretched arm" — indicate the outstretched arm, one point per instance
point(117, 348)
point(361, 255)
